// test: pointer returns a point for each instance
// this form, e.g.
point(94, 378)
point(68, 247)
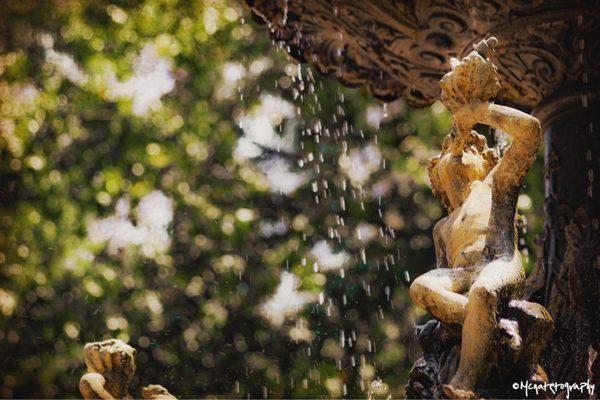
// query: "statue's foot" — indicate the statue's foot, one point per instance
point(454, 393)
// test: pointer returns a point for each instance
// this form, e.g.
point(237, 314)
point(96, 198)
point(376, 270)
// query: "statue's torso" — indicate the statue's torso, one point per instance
point(478, 229)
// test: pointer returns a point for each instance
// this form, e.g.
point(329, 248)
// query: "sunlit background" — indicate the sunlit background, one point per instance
point(171, 178)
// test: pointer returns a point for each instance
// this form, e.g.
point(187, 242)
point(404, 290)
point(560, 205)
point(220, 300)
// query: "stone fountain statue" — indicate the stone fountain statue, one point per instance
point(484, 340)
point(479, 276)
point(111, 368)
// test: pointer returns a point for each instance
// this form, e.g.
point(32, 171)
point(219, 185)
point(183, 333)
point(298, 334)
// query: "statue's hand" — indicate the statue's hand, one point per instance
point(111, 365)
point(474, 79)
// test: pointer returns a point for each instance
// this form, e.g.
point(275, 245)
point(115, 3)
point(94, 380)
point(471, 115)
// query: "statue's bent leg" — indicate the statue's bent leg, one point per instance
point(438, 291)
point(496, 279)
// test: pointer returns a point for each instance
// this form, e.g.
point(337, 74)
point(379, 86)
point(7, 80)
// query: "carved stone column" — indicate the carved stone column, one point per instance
point(567, 277)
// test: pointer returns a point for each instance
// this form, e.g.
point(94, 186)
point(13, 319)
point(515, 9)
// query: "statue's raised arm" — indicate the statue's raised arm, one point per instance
point(526, 137)
point(467, 91)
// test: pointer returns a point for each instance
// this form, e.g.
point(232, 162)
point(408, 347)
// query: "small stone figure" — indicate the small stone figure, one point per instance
point(479, 267)
point(111, 367)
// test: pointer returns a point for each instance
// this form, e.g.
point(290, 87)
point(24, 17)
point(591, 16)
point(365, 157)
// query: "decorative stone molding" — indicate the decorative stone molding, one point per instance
point(402, 48)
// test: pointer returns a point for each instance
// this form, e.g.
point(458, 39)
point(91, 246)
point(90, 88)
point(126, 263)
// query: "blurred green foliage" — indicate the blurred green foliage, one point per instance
point(102, 101)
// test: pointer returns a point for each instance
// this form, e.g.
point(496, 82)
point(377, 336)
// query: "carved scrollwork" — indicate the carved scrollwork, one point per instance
point(402, 48)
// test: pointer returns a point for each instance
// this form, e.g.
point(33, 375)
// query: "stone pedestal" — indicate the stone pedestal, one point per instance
point(523, 330)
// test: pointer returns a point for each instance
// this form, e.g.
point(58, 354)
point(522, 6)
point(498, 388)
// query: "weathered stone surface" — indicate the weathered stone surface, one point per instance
point(567, 280)
point(523, 329)
point(440, 344)
point(111, 367)
point(156, 392)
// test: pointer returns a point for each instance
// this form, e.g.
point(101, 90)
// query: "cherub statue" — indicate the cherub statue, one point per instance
point(111, 367)
point(478, 262)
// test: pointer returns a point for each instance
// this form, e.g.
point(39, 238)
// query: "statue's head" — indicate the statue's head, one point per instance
point(462, 161)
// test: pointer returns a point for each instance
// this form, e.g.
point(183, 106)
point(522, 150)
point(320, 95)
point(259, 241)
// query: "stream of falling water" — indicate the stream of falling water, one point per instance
point(340, 159)
point(324, 145)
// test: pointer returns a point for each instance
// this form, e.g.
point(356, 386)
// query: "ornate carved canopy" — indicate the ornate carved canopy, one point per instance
point(402, 48)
